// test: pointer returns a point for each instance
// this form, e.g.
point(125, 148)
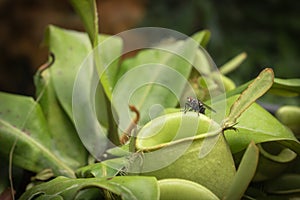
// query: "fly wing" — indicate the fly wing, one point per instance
point(209, 108)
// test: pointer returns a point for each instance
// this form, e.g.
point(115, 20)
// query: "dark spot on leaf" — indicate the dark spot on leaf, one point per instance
point(109, 178)
point(26, 131)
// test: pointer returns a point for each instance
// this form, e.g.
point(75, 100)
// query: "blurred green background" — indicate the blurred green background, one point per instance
point(268, 31)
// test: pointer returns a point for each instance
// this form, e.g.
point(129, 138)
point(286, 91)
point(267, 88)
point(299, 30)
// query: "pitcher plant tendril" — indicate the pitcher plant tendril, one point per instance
point(126, 134)
point(47, 64)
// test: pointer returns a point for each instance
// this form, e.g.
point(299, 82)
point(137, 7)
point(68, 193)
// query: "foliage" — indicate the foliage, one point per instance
point(191, 153)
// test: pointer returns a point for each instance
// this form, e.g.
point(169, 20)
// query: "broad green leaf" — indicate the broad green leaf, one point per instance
point(286, 87)
point(255, 90)
point(173, 189)
point(244, 174)
point(153, 77)
point(87, 10)
point(67, 144)
point(233, 63)
point(128, 187)
point(92, 133)
point(258, 125)
point(171, 146)
point(23, 123)
point(71, 48)
point(76, 84)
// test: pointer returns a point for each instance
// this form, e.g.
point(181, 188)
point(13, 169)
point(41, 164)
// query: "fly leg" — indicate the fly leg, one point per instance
point(199, 110)
point(186, 107)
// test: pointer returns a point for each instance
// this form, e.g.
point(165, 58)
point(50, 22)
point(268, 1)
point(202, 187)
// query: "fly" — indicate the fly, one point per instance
point(196, 105)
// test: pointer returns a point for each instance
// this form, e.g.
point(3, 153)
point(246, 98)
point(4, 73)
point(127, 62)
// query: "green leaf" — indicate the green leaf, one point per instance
point(237, 90)
point(228, 83)
point(284, 155)
point(128, 187)
point(202, 37)
point(67, 144)
point(106, 56)
point(203, 63)
point(76, 84)
point(255, 90)
point(211, 82)
point(173, 189)
point(23, 123)
point(244, 173)
point(71, 48)
point(107, 168)
point(87, 10)
point(286, 87)
point(258, 125)
point(282, 87)
point(233, 63)
point(76, 81)
point(149, 79)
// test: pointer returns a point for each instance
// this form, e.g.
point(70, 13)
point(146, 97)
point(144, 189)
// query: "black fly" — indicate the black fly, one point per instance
point(196, 105)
